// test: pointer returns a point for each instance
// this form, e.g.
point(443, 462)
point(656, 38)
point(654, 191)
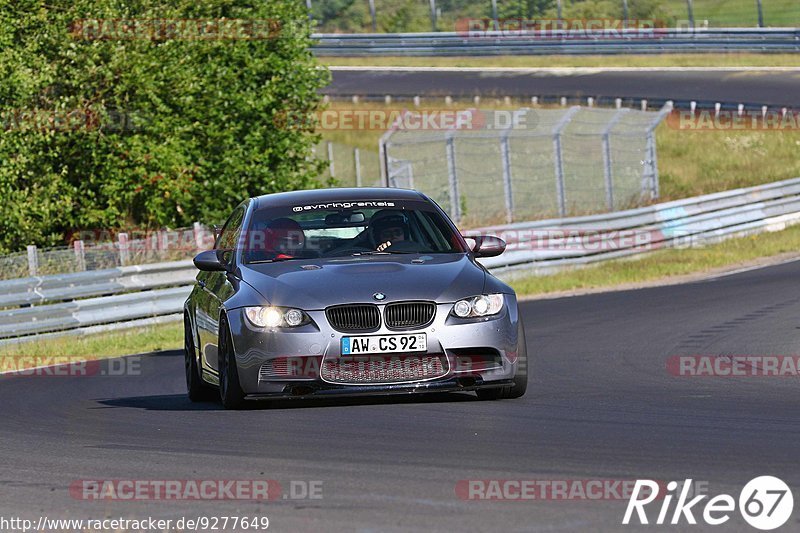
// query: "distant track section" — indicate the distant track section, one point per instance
point(751, 87)
point(631, 41)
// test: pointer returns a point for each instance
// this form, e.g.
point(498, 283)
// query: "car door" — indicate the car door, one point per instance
point(217, 288)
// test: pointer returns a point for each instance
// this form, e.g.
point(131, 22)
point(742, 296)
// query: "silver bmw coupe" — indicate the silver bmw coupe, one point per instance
point(343, 292)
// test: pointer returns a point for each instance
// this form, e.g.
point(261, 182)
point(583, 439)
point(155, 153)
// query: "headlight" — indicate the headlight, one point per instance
point(483, 305)
point(274, 317)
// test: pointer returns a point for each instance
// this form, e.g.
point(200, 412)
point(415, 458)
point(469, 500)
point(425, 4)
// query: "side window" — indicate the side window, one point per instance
point(229, 235)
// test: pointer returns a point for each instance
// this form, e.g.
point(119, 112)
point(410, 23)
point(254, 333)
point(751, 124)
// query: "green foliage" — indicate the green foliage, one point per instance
point(152, 132)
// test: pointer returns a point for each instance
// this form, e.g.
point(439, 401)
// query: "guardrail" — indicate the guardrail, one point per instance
point(136, 295)
point(130, 295)
point(654, 41)
point(547, 245)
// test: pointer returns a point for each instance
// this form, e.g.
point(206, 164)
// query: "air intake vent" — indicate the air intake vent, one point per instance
point(354, 317)
point(409, 315)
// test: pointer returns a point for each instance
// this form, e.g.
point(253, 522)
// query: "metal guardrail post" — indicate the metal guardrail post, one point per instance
point(607, 168)
point(558, 157)
point(690, 12)
point(452, 177)
point(80, 255)
point(433, 15)
point(495, 21)
point(33, 260)
point(505, 157)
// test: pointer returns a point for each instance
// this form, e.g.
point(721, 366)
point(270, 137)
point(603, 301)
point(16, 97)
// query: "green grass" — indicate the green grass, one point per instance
point(167, 336)
point(653, 60)
point(665, 264)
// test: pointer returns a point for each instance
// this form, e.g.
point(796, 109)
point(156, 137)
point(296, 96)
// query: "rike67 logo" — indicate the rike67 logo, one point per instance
point(765, 503)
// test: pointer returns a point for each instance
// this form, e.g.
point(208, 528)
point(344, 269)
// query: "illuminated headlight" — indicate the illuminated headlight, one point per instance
point(483, 305)
point(274, 317)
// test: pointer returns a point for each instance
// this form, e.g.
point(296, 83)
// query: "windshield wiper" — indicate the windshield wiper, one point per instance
point(276, 260)
point(374, 252)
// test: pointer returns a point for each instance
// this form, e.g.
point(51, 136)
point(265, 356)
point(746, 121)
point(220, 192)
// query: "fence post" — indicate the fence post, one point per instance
point(357, 163)
point(331, 167)
point(651, 153)
point(124, 251)
point(197, 230)
point(433, 15)
point(760, 14)
point(495, 21)
point(33, 260)
point(80, 255)
point(505, 156)
point(558, 157)
point(607, 168)
point(372, 16)
point(690, 12)
point(452, 176)
point(624, 13)
point(558, 6)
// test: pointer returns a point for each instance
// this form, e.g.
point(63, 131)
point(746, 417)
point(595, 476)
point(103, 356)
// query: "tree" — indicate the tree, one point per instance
point(120, 113)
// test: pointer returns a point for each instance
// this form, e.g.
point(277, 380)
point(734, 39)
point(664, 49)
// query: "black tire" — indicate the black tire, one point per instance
point(230, 390)
point(520, 386)
point(197, 389)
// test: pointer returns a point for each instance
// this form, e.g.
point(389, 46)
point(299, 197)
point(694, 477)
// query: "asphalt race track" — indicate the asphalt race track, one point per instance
point(601, 406)
point(773, 88)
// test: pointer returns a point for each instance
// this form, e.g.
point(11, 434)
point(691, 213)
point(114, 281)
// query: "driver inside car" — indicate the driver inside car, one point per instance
point(389, 230)
point(285, 238)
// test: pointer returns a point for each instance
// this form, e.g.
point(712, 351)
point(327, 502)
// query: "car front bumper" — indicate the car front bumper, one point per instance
point(474, 354)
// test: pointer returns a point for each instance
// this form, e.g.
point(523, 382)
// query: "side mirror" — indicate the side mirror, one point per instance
point(488, 246)
point(208, 261)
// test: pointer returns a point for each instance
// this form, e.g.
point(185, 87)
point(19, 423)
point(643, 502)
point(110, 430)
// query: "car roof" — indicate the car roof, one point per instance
point(338, 195)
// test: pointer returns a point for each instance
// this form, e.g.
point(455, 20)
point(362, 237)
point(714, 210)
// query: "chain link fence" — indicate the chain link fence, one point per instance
point(540, 163)
point(101, 250)
point(348, 166)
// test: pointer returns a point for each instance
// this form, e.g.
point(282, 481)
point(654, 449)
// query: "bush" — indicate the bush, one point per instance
point(148, 132)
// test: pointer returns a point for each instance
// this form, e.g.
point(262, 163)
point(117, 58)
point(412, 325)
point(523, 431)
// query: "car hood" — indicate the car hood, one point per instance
point(316, 284)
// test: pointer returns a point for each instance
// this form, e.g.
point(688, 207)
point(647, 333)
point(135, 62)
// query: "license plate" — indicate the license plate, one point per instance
point(417, 342)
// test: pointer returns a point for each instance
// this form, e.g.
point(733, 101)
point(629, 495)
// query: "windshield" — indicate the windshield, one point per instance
point(362, 228)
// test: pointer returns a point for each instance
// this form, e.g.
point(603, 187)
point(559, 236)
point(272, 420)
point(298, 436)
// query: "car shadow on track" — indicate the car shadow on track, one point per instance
point(179, 402)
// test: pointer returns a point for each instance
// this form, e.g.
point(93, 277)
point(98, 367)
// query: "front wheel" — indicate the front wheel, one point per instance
point(230, 390)
point(520, 385)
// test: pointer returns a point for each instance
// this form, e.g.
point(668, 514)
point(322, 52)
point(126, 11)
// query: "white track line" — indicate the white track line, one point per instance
point(560, 70)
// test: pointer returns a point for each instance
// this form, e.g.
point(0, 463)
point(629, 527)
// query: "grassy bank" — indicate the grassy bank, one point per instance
point(102, 345)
